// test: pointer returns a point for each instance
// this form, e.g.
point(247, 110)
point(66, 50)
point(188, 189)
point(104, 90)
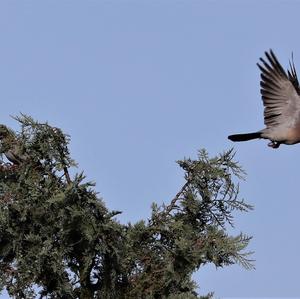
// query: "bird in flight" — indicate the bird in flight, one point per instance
point(280, 93)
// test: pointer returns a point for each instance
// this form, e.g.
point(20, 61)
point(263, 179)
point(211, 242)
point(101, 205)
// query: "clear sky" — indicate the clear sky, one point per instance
point(141, 84)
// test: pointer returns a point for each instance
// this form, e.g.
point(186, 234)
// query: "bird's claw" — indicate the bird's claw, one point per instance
point(274, 144)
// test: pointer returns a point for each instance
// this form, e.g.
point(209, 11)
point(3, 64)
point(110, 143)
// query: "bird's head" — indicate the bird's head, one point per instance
point(4, 132)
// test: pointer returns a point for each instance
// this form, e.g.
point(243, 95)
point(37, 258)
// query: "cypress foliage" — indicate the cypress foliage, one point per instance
point(58, 240)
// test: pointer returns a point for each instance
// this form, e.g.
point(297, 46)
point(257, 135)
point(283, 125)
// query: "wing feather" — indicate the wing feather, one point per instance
point(280, 92)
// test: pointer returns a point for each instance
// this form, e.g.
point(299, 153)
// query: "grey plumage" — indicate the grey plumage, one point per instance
point(280, 93)
point(10, 146)
point(13, 156)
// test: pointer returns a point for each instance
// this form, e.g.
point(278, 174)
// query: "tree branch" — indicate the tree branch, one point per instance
point(172, 204)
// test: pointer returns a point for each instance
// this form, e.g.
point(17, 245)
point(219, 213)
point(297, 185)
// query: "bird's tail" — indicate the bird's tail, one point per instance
point(244, 137)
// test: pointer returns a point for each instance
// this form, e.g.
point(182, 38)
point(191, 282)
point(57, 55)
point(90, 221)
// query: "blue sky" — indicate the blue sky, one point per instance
point(141, 84)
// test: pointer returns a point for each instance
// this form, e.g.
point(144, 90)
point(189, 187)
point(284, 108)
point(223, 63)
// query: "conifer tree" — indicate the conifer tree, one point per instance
point(58, 240)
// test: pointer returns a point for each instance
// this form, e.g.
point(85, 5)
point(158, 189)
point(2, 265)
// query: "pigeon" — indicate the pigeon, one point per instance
point(10, 147)
point(280, 93)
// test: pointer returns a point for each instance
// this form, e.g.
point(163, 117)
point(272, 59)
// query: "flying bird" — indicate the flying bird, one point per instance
point(280, 93)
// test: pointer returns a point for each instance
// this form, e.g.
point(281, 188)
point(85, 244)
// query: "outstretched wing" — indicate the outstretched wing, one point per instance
point(280, 92)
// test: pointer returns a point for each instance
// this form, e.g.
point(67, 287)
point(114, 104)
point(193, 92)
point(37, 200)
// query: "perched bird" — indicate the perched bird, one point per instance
point(10, 147)
point(280, 93)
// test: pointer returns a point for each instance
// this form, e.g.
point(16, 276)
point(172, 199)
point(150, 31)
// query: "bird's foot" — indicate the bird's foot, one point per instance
point(274, 144)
